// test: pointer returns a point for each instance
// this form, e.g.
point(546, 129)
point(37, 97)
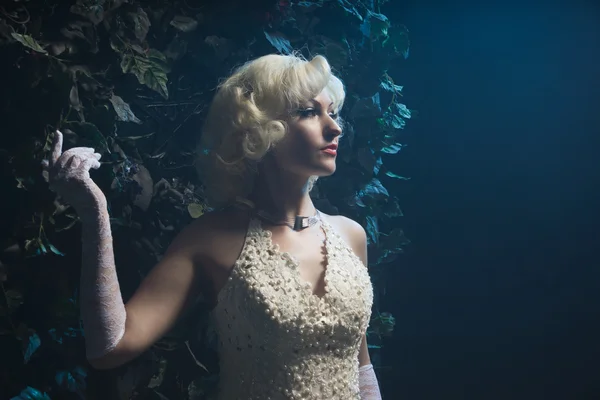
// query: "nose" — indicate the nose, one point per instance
point(333, 128)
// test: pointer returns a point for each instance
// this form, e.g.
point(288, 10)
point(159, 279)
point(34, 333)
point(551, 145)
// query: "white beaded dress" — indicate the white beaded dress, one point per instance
point(278, 340)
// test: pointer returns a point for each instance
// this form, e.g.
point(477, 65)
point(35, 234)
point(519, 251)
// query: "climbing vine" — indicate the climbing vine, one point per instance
point(133, 80)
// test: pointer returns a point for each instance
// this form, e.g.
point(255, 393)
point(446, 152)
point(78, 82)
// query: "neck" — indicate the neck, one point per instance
point(282, 194)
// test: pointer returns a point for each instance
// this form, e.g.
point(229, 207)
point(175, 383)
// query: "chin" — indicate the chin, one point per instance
point(320, 168)
point(326, 170)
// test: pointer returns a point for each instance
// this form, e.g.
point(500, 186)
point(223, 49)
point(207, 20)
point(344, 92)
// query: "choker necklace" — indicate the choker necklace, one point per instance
point(300, 222)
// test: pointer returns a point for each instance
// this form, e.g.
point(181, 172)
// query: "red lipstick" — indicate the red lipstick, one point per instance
point(331, 149)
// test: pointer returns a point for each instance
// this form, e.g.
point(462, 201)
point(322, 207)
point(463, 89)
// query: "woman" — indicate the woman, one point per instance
point(292, 297)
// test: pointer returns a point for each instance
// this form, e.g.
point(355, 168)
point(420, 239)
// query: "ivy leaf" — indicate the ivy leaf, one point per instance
point(377, 166)
point(389, 86)
point(184, 24)
point(58, 337)
point(32, 248)
point(379, 25)
point(90, 9)
point(392, 149)
point(198, 388)
point(382, 324)
point(132, 138)
point(280, 42)
point(398, 39)
point(375, 26)
point(374, 190)
point(123, 110)
point(307, 4)
point(71, 221)
point(14, 299)
point(160, 395)
point(28, 42)
point(349, 8)
point(144, 180)
point(150, 71)
point(336, 52)
point(131, 379)
point(396, 122)
point(396, 115)
point(392, 209)
point(72, 381)
point(156, 75)
point(387, 256)
point(391, 245)
point(157, 379)
point(55, 250)
point(195, 389)
point(196, 210)
point(177, 48)
point(366, 158)
point(367, 107)
point(133, 63)
point(23, 183)
point(30, 393)
point(141, 23)
point(402, 110)
point(84, 30)
point(221, 47)
point(89, 134)
point(74, 98)
point(33, 343)
point(372, 229)
point(395, 176)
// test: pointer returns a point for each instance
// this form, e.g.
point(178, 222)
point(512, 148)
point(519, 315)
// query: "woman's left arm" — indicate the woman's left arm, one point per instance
point(367, 380)
point(369, 386)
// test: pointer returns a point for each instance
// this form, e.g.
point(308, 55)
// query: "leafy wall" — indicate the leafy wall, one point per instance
point(133, 80)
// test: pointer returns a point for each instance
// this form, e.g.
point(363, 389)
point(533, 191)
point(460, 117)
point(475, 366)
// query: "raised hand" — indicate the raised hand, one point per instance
point(102, 310)
point(69, 174)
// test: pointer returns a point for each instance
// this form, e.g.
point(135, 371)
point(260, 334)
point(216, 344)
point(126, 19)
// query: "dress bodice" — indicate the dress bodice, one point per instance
point(278, 340)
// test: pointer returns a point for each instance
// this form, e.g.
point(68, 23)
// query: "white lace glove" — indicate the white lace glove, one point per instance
point(101, 306)
point(367, 381)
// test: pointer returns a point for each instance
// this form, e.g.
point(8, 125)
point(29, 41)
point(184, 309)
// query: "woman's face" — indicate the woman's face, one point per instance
point(310, 146)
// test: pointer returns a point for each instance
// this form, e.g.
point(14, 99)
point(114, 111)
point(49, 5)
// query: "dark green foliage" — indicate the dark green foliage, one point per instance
point(133, 80)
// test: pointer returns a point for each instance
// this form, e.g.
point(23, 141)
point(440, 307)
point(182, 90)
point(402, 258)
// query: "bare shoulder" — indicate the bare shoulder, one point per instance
point(347, 227)
point(352, 232)
point(214, 242)
point(212, 228)
point(214, 220)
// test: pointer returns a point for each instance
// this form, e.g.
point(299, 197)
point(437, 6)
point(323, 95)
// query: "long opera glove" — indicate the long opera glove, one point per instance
point(101, 305)
point(367, 380)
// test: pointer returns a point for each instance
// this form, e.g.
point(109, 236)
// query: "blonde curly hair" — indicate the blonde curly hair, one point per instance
point(247, 117)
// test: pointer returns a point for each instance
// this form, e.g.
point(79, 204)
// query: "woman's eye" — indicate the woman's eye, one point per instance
point(312, 112)
point(309, 112)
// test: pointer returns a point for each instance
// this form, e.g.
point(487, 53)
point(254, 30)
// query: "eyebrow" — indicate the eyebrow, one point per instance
point(316, 103)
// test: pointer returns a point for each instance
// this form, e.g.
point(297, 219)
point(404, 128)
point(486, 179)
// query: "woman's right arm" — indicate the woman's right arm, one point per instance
point(161, 298)
point(116, 332)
